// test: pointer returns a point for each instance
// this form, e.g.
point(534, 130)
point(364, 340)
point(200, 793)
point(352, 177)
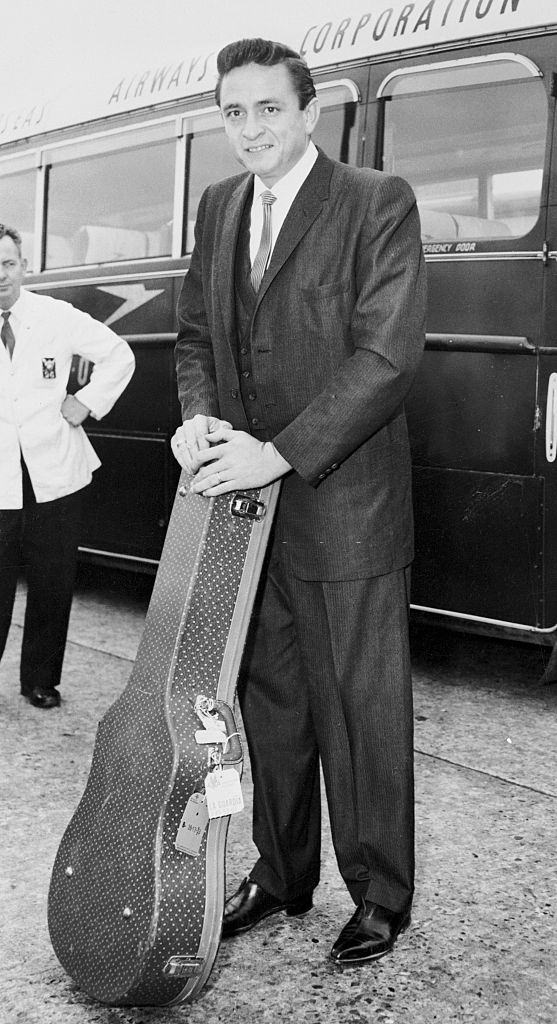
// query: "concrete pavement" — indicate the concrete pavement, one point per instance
point(483, 943)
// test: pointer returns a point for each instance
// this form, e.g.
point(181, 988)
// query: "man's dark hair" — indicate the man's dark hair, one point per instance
point(7, 232)
point(266, 53)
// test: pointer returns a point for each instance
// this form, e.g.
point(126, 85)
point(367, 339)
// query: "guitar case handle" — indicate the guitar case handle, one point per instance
point(233, 753)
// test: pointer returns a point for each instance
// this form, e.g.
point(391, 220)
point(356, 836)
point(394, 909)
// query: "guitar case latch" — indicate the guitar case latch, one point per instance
point(183, 966)
point(245, 507)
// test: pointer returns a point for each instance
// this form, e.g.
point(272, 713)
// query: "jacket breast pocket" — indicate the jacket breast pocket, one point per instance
point(328, 307)
point(324, 291)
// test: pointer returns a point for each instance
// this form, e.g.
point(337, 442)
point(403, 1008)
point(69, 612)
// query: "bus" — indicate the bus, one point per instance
point(456, 96)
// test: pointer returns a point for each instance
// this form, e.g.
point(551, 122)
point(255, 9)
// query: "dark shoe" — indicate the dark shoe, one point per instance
point(251, 904)
point(370, 933)
point(42, 697)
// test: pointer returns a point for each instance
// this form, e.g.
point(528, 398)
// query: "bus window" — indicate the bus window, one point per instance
point(112, 206)
point(17, 206)
point(334, 132)
point(210, 160)
point(470, 139)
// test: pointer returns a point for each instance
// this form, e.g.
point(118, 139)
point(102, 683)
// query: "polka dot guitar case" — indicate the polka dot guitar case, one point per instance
point(137, 889)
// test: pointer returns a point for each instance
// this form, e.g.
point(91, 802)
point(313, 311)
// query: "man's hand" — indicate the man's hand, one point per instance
point(74, 411)
point(192, 437)
point(236, 460)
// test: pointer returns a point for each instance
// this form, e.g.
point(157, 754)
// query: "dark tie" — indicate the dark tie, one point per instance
point(262, 256)
point(7, 333)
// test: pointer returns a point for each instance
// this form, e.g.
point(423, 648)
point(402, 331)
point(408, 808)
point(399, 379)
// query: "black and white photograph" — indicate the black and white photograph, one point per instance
point(278, 512)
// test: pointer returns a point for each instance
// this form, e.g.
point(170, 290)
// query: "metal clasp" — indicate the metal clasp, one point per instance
point(183, 966)
point(245, 507)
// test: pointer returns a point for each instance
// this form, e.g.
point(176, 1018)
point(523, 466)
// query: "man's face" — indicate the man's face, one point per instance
point(262, 118)
point(12, 272)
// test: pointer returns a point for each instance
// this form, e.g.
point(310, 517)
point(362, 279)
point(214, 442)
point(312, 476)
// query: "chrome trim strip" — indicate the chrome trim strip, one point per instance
point(120, 130)
point(478, 618)
point(115, 554)
point(128, 435)
point(479, 343)
point(40, 194)
point(481, 257)
point(72, 282)
point(463, 62)
point(179, 195)
point(163, 336)
point(347, 83)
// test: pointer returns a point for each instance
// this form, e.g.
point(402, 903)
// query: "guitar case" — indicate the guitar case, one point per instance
point(137, 890)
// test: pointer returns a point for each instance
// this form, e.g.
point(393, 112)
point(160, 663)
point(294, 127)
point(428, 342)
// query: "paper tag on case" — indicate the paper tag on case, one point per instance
point(224, 793)
point(192, 826)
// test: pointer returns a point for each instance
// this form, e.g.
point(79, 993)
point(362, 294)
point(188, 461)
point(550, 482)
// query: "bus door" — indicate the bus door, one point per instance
point(547, 447)
point(470, 135)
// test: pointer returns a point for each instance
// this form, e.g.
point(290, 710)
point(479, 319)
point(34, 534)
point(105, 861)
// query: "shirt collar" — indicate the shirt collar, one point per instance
point(289, 185)
point(18, 306)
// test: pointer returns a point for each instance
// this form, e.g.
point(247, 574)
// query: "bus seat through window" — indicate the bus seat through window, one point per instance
point(440, 226)
point(101, 244)
point(59, 251)
point(27, 244)
point(436, 225)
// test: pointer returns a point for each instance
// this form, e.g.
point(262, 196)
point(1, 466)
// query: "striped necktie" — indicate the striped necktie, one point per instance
point(264, 251)
point(7, 333)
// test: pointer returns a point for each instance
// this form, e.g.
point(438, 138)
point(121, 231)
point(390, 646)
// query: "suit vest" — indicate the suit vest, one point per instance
point(245, 302)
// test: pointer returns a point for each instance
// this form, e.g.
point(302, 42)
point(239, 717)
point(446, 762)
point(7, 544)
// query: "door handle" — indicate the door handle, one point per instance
point(551, 419)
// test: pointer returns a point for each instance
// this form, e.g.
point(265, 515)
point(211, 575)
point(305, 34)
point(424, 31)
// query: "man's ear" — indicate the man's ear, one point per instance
point(312, 114)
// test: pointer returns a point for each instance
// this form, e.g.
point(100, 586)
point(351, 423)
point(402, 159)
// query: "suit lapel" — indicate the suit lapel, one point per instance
point(306, 207)
point(226, 257)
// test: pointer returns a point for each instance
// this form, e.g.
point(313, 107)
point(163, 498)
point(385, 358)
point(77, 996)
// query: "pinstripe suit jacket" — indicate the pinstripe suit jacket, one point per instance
point(336, 337)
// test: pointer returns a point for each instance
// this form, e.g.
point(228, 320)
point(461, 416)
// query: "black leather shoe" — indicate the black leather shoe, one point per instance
point(42, 697)
point(251, 904)
point(370, 933)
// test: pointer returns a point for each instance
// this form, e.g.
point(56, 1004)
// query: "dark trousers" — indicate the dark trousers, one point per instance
point(326, 676)
point(41, 540)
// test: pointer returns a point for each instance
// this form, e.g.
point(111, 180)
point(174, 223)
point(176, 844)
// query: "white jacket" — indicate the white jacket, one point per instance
point(59, 457)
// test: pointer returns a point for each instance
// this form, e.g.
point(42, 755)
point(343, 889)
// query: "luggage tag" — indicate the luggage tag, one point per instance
point(192, 826)
point(224, 792)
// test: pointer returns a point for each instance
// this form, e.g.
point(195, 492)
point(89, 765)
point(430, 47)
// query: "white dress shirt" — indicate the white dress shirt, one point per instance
point(59, 457)
point(285, 190)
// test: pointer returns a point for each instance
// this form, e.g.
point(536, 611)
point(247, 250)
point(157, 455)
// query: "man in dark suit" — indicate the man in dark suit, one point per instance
point(300, 330)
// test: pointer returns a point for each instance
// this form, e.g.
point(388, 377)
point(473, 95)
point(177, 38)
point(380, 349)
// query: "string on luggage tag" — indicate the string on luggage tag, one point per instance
point(227, 740)
point(205, 708)
point(203, 704)
point(216, 758)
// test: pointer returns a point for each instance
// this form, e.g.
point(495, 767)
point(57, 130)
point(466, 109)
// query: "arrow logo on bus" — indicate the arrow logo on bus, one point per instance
point(134, 296)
